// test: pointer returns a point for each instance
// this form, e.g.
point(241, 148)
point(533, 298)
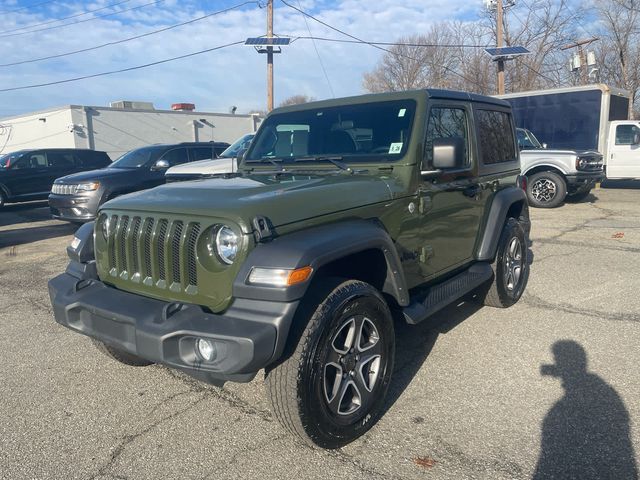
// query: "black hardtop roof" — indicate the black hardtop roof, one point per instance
point(466, 96)
point(434, 93)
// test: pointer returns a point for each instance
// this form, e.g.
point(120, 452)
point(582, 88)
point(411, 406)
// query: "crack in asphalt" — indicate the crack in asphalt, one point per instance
point(220, 393)
point(586, 245)
point(126, 440)
point(538, 302)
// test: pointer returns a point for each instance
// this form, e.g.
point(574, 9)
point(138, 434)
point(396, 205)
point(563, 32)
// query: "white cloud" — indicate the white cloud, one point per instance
point(216, 80)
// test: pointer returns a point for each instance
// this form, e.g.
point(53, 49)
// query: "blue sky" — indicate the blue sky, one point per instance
point(213, 81)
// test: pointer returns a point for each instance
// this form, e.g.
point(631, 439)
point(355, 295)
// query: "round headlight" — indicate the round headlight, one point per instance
point(226, 244)
point(104, 226)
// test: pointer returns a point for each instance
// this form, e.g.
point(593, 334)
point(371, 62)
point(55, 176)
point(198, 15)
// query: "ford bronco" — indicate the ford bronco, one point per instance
point(344, 215)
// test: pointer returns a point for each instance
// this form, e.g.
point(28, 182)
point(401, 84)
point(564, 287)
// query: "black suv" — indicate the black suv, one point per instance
point(77, 197)
point(28, 174)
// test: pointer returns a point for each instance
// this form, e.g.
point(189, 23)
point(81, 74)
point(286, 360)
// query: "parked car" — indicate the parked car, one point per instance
point(553, 175)
point(76, 198)
point(226, 162)
point(28, 174)
point(342, 212)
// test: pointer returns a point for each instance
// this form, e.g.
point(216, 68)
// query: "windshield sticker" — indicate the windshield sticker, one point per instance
point(395, 147)
point(402, 112)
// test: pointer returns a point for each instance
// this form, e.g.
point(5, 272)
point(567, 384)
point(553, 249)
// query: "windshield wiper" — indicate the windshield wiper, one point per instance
point(335, 159)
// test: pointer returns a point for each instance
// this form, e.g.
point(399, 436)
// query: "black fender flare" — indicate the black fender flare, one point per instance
point(500, 205)
point(316, 247)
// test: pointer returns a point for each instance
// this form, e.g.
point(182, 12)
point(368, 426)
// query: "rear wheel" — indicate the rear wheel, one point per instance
point(546, 190)
point(120, 355)
point(332, 388)
point(510, 268)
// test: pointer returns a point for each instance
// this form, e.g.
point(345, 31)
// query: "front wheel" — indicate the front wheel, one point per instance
point(510, 268)
point(332, 388)
point(546, 190)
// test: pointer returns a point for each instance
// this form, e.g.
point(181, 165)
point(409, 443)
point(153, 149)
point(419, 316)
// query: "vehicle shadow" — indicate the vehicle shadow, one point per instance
point(415, 342)
point(22, 236)
point(24, 212)
point(585, 435)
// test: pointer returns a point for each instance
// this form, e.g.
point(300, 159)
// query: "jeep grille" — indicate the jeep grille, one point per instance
point(156, 252)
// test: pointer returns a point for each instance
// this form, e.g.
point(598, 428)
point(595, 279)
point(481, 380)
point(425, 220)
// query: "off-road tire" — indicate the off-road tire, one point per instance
point(498, 293)
point(120, 355)
point(538, 186)
point(297, 387)
point(578, 196)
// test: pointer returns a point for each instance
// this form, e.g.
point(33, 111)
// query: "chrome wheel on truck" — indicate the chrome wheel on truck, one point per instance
point(546, 190)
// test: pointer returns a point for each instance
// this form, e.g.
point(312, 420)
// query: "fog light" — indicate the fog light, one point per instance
point(206, 349)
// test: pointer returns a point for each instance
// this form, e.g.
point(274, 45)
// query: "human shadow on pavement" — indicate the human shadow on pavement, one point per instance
point(586, 434)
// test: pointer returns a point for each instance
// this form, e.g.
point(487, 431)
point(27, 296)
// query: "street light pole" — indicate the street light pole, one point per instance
point(499, 41)
point(269, 56)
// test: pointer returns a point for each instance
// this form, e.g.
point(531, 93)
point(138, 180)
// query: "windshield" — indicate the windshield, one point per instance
point(241, 144)
point(9, 159)
point(138, 158)
point(365, 132)
point(527, 140)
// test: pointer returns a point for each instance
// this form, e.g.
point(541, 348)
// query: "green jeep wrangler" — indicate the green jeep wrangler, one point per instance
point(344, 215)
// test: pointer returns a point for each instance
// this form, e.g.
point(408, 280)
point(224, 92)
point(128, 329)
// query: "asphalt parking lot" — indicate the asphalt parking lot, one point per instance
point(470, 398)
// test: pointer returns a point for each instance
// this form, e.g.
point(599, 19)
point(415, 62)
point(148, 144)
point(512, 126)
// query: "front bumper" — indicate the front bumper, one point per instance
point(583, 180)
point(73, 207)
point(248, 334)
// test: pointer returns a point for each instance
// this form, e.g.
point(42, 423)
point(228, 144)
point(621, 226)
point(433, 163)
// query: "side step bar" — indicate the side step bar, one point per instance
point(439, 296)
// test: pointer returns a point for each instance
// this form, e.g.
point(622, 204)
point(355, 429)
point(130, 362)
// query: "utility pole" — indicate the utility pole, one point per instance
point(584, 67)
point(269, 56)
point(499, 41)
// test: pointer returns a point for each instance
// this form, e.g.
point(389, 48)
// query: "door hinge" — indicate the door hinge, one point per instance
point(425, 204)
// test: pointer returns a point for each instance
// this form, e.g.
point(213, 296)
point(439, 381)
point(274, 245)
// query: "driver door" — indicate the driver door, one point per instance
point(451, 201)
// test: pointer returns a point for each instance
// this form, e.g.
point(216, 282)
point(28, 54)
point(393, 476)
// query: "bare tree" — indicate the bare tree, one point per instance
point(295, 100)
point(410, 65)
point(619, 49)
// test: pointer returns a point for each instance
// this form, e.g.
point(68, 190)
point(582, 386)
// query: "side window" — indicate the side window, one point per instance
point(445, 122)
point(495, 137)
point(176, 156)
point(60, 159)
point(201, 153)
point(33, 160)
point(625, 134)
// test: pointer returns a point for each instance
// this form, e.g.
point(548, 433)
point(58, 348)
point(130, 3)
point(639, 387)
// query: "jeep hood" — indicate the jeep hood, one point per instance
point(284, 198)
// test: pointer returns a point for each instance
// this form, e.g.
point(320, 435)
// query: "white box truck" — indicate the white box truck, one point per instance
point(590, 117)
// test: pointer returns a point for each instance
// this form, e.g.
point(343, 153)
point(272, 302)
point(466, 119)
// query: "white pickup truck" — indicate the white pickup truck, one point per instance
point(586, 118)
point(554, 175)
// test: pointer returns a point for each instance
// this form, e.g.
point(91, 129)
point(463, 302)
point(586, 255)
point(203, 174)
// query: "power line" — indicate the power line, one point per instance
point(122, 70)
point(117, 42)
point(374, 45)
point(33, 5)
point(97, 17)
point(64, 18)
point(393, 44)
point(318, 54)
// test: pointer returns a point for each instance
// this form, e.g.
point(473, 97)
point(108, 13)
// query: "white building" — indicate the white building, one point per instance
point(118, 130)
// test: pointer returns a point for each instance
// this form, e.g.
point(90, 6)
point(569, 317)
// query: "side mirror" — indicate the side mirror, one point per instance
point(160, 165)
point(544, 145)
point(636, 139)
point(448, 153)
